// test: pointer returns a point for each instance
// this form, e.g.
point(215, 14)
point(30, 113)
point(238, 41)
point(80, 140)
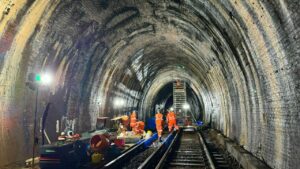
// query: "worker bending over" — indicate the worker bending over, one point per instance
point(139, 128)
point(133, 120)
point(171, 118)
point(159, 124)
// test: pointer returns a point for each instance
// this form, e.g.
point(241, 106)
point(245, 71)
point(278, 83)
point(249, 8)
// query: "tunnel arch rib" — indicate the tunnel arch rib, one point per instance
point(239, 57)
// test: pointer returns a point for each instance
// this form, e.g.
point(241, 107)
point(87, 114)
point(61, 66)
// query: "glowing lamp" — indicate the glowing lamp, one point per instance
point(44, 79)
point(186, 106)
point(118, 102)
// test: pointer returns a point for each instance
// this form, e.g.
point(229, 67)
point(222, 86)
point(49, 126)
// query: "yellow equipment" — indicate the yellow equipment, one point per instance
point(96, 158)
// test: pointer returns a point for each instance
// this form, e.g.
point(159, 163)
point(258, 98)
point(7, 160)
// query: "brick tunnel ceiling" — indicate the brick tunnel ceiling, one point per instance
point(240, 59)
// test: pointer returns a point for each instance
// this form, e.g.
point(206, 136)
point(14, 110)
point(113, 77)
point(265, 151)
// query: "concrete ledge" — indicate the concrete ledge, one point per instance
point(245, 158)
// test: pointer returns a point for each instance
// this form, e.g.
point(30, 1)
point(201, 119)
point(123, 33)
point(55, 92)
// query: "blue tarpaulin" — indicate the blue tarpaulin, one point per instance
point(151, 124)
point(199, 123)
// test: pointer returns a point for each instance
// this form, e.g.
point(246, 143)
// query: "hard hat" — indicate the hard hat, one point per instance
point(171, 109)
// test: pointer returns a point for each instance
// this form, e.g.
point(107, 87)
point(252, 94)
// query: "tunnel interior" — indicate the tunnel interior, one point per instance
point(240, 60)
point(164, 99)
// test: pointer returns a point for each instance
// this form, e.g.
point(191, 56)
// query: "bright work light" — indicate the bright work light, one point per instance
point(118, 102)
point(44, 79)
point(186, 106)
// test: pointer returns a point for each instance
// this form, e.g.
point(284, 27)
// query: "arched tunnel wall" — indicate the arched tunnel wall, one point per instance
point(241, 57)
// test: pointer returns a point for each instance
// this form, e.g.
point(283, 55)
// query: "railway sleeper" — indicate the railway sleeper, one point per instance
point(188, 160)
point(187, 164)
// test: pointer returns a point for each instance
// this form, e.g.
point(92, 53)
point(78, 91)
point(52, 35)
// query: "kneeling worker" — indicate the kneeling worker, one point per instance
point(159, 124)
point(139, 127)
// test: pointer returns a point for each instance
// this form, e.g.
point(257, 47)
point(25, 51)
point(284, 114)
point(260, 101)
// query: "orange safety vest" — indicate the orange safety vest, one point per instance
point(139, 127)
point(158, 119)
point(133, 120)
point(171, 117)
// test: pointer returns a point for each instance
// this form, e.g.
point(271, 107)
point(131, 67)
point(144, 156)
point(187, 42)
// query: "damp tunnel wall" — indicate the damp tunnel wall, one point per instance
point(241, 57)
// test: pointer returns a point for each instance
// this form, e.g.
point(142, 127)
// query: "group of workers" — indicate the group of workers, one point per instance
point(138, 126)
point(159, 121)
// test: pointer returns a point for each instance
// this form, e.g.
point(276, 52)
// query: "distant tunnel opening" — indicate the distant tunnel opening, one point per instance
point(164, 101)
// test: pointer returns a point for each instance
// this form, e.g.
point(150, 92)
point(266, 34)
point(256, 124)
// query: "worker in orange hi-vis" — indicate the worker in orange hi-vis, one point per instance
point(159, 124)
point(171, 118)
point(133, 120)
point(139, 127)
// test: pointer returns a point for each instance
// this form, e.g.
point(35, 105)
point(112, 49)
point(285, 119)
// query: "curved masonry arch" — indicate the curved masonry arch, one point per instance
point(240, 57)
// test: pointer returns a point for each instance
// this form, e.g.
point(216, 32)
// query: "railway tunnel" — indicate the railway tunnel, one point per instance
point(239, 59)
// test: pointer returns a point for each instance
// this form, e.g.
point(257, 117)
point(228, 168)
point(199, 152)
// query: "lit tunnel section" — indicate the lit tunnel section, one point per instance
point(164, 101)
point(239, 59)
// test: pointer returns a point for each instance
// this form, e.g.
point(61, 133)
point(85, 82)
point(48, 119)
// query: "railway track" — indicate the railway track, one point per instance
point(187, 151)
point(182, 149)
point(137, 156)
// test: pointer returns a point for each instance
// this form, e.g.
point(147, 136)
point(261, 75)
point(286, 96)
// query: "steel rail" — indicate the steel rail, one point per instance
point(211, 164)
point(159, 158)
point(129, 154)
point(151, 161)
point(164, 157)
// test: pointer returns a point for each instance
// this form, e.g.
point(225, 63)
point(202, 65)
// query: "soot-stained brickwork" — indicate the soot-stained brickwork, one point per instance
point(240, 59)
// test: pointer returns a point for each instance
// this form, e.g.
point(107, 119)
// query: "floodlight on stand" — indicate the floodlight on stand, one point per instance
point(35, 80)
